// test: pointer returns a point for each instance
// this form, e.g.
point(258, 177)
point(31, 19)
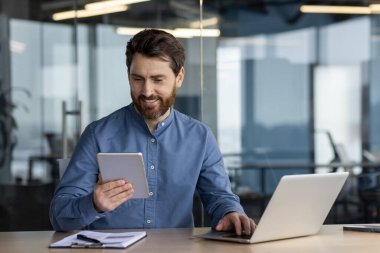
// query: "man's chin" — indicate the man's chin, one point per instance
point(152, 116)
point(150, 110)
point(151, 113)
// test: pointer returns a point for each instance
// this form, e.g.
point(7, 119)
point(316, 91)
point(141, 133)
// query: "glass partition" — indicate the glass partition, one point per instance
point(373, 93)
point(269, 76)
point(81, 62)
point(68, 71)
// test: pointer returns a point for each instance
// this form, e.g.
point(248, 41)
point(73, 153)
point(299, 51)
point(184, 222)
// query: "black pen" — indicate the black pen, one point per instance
point(92, 245)
point(87, 239)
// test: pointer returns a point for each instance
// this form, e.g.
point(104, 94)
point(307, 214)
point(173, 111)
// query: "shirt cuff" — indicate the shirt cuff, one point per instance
point(88, 211)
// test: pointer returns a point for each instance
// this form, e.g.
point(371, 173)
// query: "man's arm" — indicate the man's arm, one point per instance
point(72, 206)
point(215, 190)
point(81, 197)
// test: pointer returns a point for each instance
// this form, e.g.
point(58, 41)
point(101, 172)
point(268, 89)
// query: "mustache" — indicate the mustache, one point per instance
point(143, 97)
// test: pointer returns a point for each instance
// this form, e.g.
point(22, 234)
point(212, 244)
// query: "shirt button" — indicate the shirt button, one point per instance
point(148, 221)
point(150, 193)
point(152, 140)
point(163, 124)
point(152, 167)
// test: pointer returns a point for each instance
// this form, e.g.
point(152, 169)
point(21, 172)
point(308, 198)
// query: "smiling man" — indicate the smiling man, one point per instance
point(181, 155)
point(153, 87)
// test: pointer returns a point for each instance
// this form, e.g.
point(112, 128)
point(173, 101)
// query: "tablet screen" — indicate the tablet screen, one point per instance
point(127, 166)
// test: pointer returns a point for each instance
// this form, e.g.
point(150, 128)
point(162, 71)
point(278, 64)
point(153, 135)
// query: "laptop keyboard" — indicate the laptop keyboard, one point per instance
point(247, 237)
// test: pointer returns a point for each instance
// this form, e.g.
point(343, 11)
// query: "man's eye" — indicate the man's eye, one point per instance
point(157, 80)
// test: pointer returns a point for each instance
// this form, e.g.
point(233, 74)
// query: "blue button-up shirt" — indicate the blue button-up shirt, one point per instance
point(180, 156)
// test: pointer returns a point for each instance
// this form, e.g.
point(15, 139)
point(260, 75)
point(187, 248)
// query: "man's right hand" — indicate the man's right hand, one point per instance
point(111, 194)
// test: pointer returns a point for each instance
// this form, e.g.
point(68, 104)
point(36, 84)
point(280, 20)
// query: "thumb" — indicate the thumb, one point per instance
point(100, 179)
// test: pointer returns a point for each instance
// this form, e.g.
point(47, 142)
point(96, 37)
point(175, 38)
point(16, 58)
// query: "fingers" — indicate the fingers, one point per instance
point(224, 225)
point(249, 225)
point(246, 225)
point(253, 225)
point(239, 222)
point(111, 194)
point(119, 192)
point(114, 188)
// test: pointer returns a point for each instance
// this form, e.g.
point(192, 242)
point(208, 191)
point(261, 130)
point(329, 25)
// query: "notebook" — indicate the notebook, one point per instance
point(298, 207)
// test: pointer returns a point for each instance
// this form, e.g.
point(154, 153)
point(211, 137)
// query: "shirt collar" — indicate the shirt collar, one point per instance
point(161, 126)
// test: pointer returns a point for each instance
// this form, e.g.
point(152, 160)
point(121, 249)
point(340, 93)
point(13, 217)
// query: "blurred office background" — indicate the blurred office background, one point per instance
point(285, 89)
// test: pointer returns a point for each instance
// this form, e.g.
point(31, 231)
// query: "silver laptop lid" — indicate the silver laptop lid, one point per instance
point(299, 206)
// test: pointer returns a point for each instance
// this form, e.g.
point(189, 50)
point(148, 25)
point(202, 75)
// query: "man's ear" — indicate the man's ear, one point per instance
point(180, 77)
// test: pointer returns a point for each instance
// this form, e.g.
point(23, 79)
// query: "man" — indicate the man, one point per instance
point(181, 155)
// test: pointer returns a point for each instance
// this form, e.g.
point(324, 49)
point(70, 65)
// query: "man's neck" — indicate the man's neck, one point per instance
point(152, 123)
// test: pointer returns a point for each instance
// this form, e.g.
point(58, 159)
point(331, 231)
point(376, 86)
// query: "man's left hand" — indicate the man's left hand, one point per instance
point(240, 222)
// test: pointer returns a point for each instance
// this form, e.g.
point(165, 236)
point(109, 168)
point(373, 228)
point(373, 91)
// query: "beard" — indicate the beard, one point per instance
point(151, 112)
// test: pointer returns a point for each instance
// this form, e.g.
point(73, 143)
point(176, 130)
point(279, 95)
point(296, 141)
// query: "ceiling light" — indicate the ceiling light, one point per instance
point(133, 30)
point(110, 3)
point(375, 8)
point(335, 9)
point(178, 32)
point(205, 22)
point(128, 30)
point(87, 13)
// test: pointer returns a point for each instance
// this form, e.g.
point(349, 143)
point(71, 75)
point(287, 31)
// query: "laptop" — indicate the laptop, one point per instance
point(298, 207)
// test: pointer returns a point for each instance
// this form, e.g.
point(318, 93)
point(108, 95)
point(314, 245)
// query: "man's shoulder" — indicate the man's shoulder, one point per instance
point(190, 122)
point(114, 119)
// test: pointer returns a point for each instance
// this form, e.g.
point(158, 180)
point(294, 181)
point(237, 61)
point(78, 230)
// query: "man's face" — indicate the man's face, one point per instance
point(153, 85)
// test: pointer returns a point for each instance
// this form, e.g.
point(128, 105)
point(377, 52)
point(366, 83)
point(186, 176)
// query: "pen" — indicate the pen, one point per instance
point(87, 239)
point(84, 245)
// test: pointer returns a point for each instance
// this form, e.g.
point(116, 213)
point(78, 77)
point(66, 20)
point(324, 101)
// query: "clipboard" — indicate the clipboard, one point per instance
point(127, 166)
point(94, 239)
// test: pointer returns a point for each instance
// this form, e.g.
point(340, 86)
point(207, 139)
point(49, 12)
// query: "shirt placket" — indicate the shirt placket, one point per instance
point(152, 182)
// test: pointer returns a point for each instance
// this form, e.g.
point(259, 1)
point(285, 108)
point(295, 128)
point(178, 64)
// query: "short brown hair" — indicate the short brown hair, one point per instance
point(157, 43)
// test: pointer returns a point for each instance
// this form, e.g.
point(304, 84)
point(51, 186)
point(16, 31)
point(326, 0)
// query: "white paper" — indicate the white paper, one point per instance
point(106, 240)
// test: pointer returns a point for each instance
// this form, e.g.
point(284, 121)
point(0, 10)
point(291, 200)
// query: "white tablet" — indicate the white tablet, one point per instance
point(127, 166)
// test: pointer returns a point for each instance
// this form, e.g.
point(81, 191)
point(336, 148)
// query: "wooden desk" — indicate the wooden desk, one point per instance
point(330, 239)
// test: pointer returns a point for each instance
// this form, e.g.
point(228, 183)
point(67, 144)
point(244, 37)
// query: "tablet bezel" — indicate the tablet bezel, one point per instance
point(127, 166)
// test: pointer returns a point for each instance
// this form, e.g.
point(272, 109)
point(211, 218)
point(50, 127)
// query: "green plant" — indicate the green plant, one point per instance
point(8, 124)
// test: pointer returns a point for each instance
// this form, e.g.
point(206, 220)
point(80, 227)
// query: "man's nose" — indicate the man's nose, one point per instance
point(147, 89)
